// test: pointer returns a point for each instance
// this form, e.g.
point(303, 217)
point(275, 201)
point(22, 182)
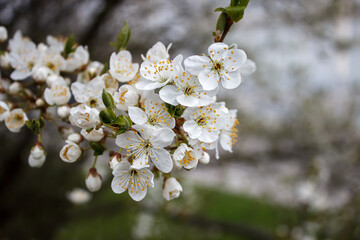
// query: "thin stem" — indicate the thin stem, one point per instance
point(95, 160)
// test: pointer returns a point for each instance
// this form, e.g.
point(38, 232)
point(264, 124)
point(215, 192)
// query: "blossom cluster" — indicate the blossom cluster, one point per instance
point(162, 115)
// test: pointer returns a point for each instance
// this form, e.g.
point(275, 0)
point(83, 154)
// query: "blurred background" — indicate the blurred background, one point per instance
point(295, 171)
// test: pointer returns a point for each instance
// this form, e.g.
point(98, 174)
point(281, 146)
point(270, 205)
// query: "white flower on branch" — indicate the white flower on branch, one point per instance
point(37, 156)
point(94, 135)
point(136, 181)
point(58, 93)
point(205, 123)
point(148, 144)
point(157, 53)
point(125, 97)
point(185, 156)
point(154, 114)
point(15, 120)
point(222, 65)
point(89, 93)
point(4, 110)
point(121, 66)
point(84, 117)
point(228, 135)
point(172, 189)
point(187, 91)
point(93, 180)
point(70, 152)
point(156, 75)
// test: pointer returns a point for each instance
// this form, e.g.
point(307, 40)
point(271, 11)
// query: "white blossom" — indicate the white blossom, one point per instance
point(125, 97)
point(187, 91)
point(228, 135)
point(93, 180)
point(49, 59)
point(78, 196)
point(156, 75)
point(121, 66)
point(15, 120)
point(222, 65)
point(76, 59)
point(23, 56)
point(37, 156)
point(84, 117)
point(41, 74)
point(111, 85)
point(114, 160)
point(3, 34)
point(92, 70)
point(172, 189)
point(89, 93)
point(75, 138)
point(157, 53)
point(205, 123)
point(136, 181)
point(70, 152)
point(154, 114)
point(63, 111)
point(205, 158)
point(14, 88)
point(185, 156)
point(94, 135)
point(58, 93)
point(5, 60)
point(4, 110)
point(148, 144)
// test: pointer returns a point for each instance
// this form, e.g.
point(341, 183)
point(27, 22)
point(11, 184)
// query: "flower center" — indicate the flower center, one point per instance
point(18, 117)
point(201, 121)
point(93, 103)
point(217, 66)
point(188, 90)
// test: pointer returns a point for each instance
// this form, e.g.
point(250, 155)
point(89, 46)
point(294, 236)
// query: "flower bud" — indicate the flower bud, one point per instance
point(37, 156)
point(75, 138)
point(70, 152)
point(41, 74)
point(3, 34)
point(114, 160)
point(63, 111)
point(14, 88)
point(78, 196)
point(93, 180)
point(39, 102)
point(205, 158)
point(172, 189)
point(51, 79)
point(94, 135)
point(5, 60)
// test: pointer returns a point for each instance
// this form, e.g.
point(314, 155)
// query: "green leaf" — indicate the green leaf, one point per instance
point(69, 46)
point(123, 123)
point(242, 3)
point(41, 122)
point(89, 130)
point(220, 9)
point(105, 68)
point(235, 13)
point(108, 100)
point(122, 38)
point(97, 147)
point(222, 21)
point(107, 116)
point(174, 111)
point(33, 125)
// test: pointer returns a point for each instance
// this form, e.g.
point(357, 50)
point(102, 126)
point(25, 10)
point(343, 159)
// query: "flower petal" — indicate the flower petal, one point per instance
point(162, 137)
point(137, 115)
point(169, 93)
point(216, 50)
point(231, 80)
point(130, 137)
point(196, 64)
point(209, 80)
point(161, 159)
point(234, 59)
point(192, 129)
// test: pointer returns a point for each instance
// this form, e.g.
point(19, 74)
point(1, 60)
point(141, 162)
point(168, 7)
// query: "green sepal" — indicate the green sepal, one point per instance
point(107, 116)
point(108, 100)
point(175, 111)
point(69, 46)
point(104, 69)
point(33, 125)
point(97, 147)
point(122, 38)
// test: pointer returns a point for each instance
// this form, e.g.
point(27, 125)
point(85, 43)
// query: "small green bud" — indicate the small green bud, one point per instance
point(107, 116)
point(97, 147)
point(108, 100)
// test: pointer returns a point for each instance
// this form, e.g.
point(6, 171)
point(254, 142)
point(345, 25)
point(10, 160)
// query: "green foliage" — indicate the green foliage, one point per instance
point(108, 100)
point(69, 46)
point(235, 13)
point(35, 125)
point(123, 124)
point(97, 147)
point(175, 111)
point(107, 116)
point(122, 38)
point(222, 21)
point(105, 68)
